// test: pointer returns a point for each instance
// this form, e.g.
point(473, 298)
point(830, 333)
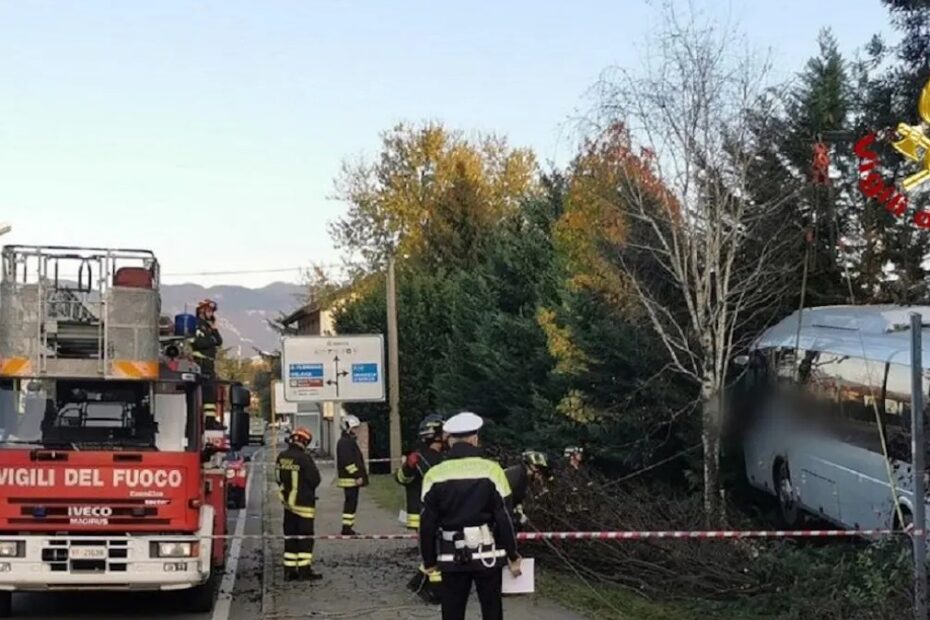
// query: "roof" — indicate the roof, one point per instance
point(880, 333)
point(331, 298)
point(300, 313)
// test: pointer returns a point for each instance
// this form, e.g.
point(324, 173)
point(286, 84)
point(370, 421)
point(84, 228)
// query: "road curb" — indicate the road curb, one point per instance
point(268, 560)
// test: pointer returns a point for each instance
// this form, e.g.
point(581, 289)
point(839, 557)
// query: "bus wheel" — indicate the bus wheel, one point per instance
point(788, 512)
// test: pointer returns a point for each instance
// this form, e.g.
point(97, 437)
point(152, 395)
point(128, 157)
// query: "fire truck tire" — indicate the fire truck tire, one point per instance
point(6, 604)
point(202, 598)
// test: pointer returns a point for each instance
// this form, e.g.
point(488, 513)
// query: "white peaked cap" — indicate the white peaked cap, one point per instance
point(465, 423)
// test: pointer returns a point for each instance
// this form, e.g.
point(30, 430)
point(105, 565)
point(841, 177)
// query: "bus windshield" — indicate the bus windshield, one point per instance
point(104, 415)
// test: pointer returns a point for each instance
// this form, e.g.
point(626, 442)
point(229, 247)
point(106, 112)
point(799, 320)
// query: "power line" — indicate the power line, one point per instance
point(237, 272)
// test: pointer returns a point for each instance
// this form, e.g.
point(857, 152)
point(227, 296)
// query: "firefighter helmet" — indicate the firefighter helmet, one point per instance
point(206, 303)
point(302, 436)
point(431, 427)
point(537, 461)
point(349, 422)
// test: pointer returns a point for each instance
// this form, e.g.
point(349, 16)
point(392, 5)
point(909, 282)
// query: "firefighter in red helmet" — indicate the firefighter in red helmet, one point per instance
point(206, 346)
point(298, 479)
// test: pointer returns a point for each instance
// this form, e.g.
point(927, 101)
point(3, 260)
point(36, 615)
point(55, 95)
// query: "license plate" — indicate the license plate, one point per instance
point(88, 553)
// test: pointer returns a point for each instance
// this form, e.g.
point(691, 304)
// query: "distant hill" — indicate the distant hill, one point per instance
point(242, 311)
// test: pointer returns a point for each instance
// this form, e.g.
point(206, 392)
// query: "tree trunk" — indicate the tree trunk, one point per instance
point(710, 437)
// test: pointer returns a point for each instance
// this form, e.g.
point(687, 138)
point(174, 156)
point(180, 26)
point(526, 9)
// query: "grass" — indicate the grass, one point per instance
point(386, 493)
point(610, 602)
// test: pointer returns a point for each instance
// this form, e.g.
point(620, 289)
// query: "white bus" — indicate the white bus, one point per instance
point(820, 403)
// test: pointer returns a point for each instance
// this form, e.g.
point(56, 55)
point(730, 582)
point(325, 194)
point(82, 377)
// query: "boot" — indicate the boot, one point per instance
point(306, 573)
point(348, 531)
point(291, 573)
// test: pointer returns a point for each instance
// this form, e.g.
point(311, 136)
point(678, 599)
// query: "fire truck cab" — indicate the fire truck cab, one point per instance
point(106, 481)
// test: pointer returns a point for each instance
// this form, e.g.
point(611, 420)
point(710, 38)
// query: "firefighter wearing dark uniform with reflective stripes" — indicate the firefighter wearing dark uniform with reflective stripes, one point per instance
point(298, 479)
point(576, 479)
point(206, 344)
point(411, 474)
point(351, 472)
point(465, 528)
point(533, 469)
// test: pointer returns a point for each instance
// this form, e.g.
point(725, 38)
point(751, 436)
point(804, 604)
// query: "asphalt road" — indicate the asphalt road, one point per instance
point(242, 602)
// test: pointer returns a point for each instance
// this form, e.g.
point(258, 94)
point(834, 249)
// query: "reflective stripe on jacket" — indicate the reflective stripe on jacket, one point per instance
point(349, 463)
point(412, 479)
point(298, 478)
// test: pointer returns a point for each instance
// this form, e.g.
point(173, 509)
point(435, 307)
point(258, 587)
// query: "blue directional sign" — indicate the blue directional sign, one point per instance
point(364, 373)
point(306, 371)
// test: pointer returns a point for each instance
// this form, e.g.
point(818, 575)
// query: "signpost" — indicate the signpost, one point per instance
point(333, 369)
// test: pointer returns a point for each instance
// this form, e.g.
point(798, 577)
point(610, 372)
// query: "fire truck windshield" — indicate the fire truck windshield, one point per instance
point(105, 415)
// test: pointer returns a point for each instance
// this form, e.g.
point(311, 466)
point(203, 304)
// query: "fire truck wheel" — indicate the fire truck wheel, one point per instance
point(6, 604)
point(202, 598)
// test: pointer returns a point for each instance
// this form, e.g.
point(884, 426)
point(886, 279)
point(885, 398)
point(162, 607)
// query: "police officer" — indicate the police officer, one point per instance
point(298, 479)
point(206, 343)
point(410, 474)
point(351, 471)
point(465, 529)
point(533, 468)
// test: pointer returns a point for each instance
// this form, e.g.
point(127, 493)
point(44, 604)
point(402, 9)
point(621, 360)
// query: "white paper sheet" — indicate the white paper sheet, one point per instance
point(525, 583)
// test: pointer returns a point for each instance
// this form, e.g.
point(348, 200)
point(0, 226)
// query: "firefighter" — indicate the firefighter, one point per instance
point(465, 529)
point(298, 479)
point(351, 471)
point(532, 469)
point(410, 474)
point(206, 344)
point(575, 456)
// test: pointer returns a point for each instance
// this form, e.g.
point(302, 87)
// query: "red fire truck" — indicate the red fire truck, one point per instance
point(106, 479)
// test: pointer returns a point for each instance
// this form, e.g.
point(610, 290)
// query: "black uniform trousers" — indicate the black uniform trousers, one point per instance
point(298, 552)
point(456, 587)
point(350, 507)
point(208, 389)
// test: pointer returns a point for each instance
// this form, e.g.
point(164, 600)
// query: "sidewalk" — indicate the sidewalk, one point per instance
point(365, 578)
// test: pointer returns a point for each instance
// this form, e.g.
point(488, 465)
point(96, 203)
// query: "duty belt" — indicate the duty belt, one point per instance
point(471, 543)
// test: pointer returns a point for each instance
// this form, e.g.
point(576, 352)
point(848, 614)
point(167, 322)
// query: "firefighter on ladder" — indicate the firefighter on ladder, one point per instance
point(533, 469)
point(206, 344)
point(298, 479)
point(411, 474)
point(465, 528)
point(350, 470)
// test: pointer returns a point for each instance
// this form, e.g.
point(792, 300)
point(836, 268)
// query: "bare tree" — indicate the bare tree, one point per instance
point(708, 247)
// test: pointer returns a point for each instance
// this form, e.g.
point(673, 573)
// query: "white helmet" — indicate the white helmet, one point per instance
point(349, 422)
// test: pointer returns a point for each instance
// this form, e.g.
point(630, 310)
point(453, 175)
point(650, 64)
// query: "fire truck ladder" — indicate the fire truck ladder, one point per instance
point(72, 315)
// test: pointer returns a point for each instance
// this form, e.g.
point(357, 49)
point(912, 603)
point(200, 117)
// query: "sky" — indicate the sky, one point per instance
point(211, 131)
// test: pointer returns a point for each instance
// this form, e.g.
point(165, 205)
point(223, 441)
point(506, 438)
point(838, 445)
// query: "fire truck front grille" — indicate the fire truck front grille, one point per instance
point(98, 555)
point(99, 512)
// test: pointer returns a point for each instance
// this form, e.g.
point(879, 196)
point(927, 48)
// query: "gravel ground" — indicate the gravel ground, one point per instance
point(365, 579)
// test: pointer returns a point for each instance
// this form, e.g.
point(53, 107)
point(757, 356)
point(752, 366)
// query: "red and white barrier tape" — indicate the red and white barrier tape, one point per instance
point(631, 535)
point(330, 461)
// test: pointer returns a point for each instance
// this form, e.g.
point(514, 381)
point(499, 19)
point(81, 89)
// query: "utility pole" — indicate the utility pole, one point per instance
point(918, 454)
point(393, 362)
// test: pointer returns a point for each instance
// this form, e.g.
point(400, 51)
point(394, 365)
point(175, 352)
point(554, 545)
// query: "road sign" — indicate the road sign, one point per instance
point(333, 368)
